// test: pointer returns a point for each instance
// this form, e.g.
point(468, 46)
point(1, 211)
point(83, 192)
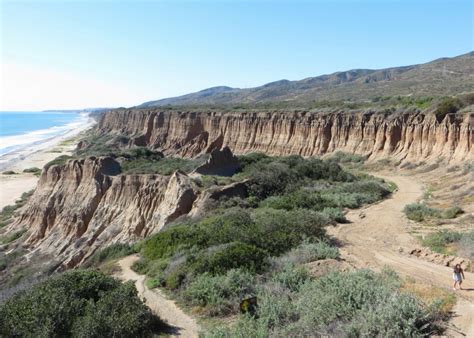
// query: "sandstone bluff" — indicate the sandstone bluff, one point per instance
point(404, 135)
point(86, 204)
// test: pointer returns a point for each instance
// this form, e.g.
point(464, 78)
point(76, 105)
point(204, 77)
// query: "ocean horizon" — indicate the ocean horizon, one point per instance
point(21, 129)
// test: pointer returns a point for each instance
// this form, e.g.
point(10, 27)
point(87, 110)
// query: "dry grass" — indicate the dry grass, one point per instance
point(430, 295)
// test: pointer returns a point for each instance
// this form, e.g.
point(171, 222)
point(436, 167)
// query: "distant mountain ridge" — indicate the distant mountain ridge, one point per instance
point(443, 76)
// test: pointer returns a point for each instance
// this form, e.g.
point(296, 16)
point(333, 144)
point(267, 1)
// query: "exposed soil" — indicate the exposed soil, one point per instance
point(181, 324)
point(377, 236)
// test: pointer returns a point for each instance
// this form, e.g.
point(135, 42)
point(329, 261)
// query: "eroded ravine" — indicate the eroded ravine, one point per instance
point(377, 236)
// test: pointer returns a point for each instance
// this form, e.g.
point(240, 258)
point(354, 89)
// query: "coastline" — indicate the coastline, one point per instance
point(36, 155)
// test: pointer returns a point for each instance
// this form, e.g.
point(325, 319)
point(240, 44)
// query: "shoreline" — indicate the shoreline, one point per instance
point(36, 155)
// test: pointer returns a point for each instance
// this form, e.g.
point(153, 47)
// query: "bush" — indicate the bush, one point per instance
point(154, 163)
point(9, 172)
point(275, 176)
point(277, 231)
point(448, 105)
point(77, 303)
point(349, 304)
point(291, 277)
point(335, 214)
point(307, 252)
point(154, 283)
point(231, 256)
point(221, 294)
point(439, 240)
point(113, 251)
point(341, 157)
point(33, 170)
point(419, 212)
point(301, 198)
point(60, 160)
point(452, 212)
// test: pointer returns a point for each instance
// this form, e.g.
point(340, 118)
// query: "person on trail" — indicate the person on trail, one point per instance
point(458, 276)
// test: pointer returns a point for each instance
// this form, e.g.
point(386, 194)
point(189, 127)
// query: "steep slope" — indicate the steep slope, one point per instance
point(402, 135)
point(84, 204)
point(444, 76)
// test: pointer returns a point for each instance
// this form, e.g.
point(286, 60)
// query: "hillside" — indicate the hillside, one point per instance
point(445, 76)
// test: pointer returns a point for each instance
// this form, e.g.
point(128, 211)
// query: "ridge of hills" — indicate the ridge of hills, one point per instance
point(444, 76)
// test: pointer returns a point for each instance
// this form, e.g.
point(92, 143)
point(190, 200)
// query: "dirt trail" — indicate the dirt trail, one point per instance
point(376, 240)
point(182, 324)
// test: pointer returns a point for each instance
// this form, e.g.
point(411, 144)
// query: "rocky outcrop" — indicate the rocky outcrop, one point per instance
point(403, 135)
point(86, 204)
point(209, 197)
point(221, 162)
point(446, 260)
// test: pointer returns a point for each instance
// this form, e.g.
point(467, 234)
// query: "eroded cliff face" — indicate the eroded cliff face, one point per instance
point(86, 204)
point(403, 135)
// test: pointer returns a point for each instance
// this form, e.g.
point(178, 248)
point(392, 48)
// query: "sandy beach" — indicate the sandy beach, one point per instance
point(12, 186)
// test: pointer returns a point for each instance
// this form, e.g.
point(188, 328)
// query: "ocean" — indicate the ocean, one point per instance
point(23, 129)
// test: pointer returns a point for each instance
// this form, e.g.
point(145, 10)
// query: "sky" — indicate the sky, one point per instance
point(104, 53)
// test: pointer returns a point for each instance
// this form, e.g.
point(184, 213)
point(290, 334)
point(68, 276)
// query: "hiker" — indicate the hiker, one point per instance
point(458, 276)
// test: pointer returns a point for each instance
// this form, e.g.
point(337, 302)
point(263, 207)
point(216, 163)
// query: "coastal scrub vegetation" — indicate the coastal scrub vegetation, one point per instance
point(214, 261)
point(33, 170)
point(420, 212)
point(350, 304)
point(259, 245)
point(111, 252)
point(451, 242)
point(80, 303)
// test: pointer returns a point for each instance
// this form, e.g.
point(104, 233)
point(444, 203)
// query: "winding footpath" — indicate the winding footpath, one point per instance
point(181, 324)
point(380, 238)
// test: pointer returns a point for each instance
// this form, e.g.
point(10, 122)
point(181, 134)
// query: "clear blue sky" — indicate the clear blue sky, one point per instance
point(121, 53)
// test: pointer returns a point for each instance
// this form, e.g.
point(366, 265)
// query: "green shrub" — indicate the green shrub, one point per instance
point(232, 256)
point(341, 157)
point(220, 293)
point(275, 176)
point(77, 303)
point(153, 283)
point(60, 160)
point(301, 198)
point(448, 105)
point(349, 304)
point(306, 252)
point(250, 159)
point(277, 231)
point(335, 214)
point(113, 251)
point(420, 212)
point(140, 266)
point(452, 212)
point(33, 170)
point(438, 241)
point(291, 277)
point(156, 164)
point(9, 172)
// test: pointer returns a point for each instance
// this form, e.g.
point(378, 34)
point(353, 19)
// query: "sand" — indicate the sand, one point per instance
point(13, 186)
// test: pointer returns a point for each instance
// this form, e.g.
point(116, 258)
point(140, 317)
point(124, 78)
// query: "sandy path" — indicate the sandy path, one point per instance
point(376, 240)
point(183, 325)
